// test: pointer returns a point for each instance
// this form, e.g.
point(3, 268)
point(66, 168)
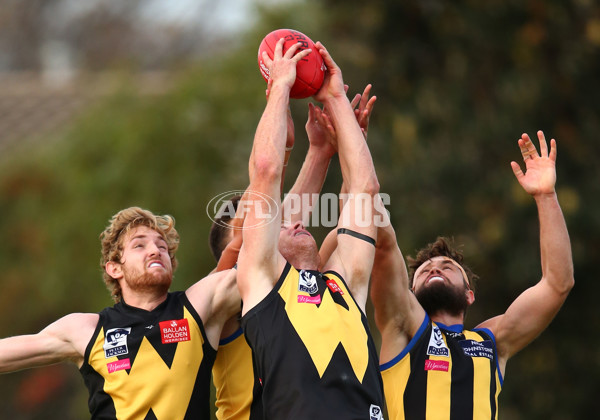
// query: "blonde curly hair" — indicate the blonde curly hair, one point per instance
point(123, 222)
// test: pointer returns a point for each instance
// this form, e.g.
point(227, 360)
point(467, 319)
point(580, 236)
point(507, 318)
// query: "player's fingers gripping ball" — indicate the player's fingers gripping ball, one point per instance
point(310, 71)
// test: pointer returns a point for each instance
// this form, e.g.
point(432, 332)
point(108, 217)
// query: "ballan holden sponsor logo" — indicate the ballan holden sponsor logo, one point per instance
point(263, 206)
point(437, 346)
point(118, 365)
point(375, 412)
point(174, 331)
point(115, 342)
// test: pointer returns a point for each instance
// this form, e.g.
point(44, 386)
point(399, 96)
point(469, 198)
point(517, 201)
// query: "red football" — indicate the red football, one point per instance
point(310, 71)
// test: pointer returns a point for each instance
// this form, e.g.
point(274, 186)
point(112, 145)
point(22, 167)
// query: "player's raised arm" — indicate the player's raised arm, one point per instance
point(398, 314)
point(299, 200)
point(362, 104)
point(355, 158)
point(259, 259)
point(533, 310)
point(63, 340)
point(357, 231)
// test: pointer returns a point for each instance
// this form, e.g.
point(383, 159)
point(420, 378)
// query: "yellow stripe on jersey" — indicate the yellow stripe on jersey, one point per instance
point(317, 336)
point(481, 382)
point(498, 389)
point(438, 390)
point(394, 384)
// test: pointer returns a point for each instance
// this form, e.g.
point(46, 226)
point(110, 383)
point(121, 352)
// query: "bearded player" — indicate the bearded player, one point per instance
point(434, 368)
point(150, 355)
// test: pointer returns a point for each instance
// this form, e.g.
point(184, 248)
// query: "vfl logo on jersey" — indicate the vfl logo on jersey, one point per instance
point(375, 412)
point(115, 342)
point(436, 346)
point(333, 286)
point(118, 365)
point(307, 282)
point(174, 331)
point(478, 348)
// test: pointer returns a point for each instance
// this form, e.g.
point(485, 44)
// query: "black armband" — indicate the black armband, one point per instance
point(356, 235)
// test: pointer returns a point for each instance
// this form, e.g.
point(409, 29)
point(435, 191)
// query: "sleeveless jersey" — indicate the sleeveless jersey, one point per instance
point(445, 373)
point(238, 393)
point(143, 365)
point(313, 350)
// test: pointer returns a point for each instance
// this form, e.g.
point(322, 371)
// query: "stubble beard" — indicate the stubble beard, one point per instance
point(301, 254)
point(146, 281)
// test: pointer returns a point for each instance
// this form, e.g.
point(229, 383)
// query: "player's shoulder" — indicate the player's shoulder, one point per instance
point(76, 329)
point(210, 282)
point(210, 293)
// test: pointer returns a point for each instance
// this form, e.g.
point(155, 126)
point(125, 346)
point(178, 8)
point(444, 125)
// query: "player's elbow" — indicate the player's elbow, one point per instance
point(568, 278)
point(569, 283)
point(365, 185)
point(372, 186)
point(266, 170)
point(562, 283)
point(364, 181)
point(386, 241)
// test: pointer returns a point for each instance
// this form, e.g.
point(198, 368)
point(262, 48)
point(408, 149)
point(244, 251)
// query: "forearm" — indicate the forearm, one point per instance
point(25, 351)
point(267, 156)
point(555, 245)
point(356, 163)
point(389, 285)
point(389, 278)
point(229, 256)
point(265, 171)
point(300, 199)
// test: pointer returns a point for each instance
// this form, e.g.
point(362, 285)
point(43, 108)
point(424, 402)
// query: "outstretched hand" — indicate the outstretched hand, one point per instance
point(282, 68)
point(365, 108)
point(320, 131)
point(539, 177)
point(333, 83)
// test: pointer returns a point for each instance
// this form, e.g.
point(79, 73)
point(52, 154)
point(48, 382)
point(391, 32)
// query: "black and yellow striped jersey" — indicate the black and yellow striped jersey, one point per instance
point(445, 373)
point(149, 364)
